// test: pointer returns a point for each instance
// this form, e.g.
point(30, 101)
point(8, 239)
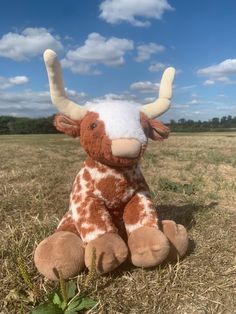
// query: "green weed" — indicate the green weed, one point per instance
point(186, 188)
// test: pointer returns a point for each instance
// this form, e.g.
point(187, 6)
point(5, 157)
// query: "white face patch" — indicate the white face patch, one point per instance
point(121, 118)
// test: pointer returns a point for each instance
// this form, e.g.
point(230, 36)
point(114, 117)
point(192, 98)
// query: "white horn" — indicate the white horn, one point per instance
point(57, 91)
point(162, 104)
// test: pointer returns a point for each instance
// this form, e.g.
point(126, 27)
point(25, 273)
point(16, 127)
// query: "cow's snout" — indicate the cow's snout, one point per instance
point(126, 148)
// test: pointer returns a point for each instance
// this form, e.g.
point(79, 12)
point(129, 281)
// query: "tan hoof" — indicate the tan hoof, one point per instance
point(111, 251)
point(63, 251)
point(178, 237)
point(148, 247)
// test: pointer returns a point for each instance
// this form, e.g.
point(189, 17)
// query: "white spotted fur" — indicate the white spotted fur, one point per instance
point(121, 118)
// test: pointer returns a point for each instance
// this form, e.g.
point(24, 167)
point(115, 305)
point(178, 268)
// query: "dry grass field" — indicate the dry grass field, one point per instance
point(193, 181)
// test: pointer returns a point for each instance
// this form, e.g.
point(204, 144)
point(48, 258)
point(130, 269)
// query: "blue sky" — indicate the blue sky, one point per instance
point(118, 49)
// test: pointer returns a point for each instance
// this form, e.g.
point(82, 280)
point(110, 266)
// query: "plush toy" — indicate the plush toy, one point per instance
point(110, 211)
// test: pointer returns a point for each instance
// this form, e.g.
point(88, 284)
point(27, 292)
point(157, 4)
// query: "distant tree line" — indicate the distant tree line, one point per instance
point(14, 125)
point(225, 123)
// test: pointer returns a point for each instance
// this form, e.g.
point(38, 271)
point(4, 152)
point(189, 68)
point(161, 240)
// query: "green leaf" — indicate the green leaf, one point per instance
point(80, 304)
point(63, 305)
point(73, 305)
point(86, 304)
point(56, 299)
point(50, 296)
point(47, 308)
point(71, 289)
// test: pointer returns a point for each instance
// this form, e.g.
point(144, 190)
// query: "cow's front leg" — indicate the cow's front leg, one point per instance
point(97, 231)
point(62, 251)
point(148, 245)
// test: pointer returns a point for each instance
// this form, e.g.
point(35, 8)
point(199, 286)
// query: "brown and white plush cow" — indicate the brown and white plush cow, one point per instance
point(110, 209)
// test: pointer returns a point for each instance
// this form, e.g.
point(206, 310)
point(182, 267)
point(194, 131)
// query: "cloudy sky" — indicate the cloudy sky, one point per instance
point(118, 49)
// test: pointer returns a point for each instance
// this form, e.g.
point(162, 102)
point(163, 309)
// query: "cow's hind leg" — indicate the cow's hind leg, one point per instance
point(62, 252)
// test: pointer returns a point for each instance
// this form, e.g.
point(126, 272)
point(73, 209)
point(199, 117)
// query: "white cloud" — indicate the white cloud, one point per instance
point(12, 81)
point(222, 96)
point(220, 72)
point(194, 102)
point(226, 67)
point(156, 67)
point(149, 99)
point(204, 102)
point(209, 82)
point(29, 43)
point(145, 51)
point(178, 71)
point(97, 50)
point(145, 87)
point(222, 79)
point(187, 87)
point(176, 106)
point(26, 103)
point(225, 80)
point(117, 11)
point(38, 104)
point(112, 96)
point(32, 104)
point(226, 108)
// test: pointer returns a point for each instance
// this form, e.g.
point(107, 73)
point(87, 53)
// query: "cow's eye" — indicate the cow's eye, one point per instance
point(93, 126)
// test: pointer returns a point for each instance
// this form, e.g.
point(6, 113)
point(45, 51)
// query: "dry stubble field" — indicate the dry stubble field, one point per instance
point(193, 181)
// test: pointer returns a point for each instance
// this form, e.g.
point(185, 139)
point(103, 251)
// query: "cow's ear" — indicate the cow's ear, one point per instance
point(157, 130)
point(67, 125)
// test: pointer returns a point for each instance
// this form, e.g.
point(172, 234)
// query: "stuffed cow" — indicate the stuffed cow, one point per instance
point(110, 212)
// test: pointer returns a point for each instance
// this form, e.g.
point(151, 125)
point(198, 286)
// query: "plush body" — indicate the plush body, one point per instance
point(110, 209)
point(106, 199)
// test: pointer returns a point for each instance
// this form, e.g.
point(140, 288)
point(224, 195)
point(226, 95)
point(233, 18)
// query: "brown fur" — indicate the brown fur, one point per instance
point(124, 192)
point(97, 144)
point(66, 125)
point(132, 211)
point(67, 224)
point(95, 211)
point(154, 129)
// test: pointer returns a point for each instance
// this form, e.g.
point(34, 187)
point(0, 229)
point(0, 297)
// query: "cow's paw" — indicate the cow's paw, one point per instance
point(61, 252)
point(178, 237)
point(110, 251)
point(148, 247)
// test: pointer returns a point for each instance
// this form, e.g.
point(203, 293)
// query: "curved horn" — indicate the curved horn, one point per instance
point(57, 91)
point(162, 104)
